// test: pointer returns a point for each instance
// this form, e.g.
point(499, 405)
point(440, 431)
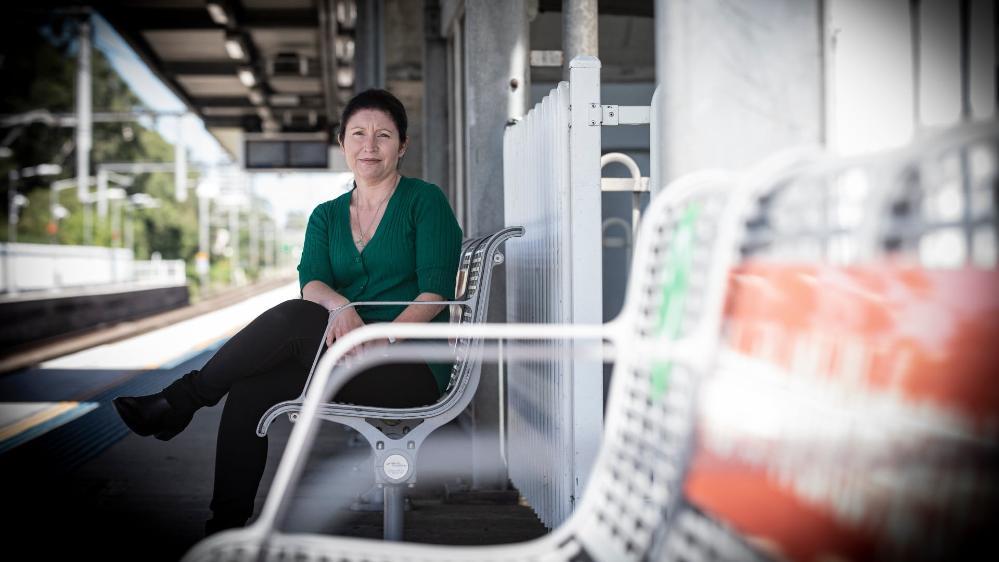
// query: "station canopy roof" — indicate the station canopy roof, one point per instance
point(246, 66)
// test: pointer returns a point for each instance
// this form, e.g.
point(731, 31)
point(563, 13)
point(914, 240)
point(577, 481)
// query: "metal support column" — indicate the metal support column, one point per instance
point(496, 81)
point(84, 129)
point(203, 251)
point(253, 224)
point(370, 46)
point(180, 163)
point(233, 242)
point(395, 509)
point(579, 31)
point(435, 88)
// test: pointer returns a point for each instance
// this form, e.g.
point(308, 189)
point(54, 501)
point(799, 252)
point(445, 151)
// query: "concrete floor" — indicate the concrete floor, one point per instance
point(90, 489)
point(147, 499)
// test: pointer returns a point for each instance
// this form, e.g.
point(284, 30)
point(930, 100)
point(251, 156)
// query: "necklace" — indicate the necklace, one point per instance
point(363, 237)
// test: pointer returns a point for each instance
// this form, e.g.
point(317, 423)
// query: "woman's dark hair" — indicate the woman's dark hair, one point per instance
point(374, 98)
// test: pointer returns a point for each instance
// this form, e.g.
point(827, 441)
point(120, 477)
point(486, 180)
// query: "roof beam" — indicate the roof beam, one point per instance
point(225, 67)
point(202, 68)
point(247, 122)
point(233, 101)
point(305, 102)
point(186, 20)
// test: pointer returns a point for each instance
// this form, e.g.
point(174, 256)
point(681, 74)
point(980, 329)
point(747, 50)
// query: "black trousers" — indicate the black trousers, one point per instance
point(265, 363)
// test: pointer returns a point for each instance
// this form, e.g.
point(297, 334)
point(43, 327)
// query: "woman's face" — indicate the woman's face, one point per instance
point(371, 145)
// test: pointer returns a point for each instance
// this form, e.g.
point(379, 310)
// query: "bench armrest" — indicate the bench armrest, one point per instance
point(328, 380)
point(336, 311)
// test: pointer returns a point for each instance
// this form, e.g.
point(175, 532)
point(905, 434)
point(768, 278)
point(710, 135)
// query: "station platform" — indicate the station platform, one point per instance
point(78, 484)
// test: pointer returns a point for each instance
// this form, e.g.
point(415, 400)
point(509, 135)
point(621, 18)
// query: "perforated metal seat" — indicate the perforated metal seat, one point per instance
point(856, 371)
point(668, 338)
point(664, 339)
point(396, 434)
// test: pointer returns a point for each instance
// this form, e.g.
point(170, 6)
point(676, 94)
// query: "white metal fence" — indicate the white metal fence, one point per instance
point(552, 187)
point(51, 267)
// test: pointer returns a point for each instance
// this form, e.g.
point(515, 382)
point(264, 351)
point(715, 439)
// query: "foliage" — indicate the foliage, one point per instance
point(37, 71)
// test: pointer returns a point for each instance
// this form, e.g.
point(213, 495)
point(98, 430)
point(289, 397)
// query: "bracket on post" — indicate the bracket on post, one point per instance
point(611, 115)
point(594, 115)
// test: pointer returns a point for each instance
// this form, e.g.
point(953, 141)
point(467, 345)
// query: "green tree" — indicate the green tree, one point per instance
point(37, 71)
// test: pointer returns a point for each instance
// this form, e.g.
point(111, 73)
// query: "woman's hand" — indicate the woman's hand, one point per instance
point(345, 321)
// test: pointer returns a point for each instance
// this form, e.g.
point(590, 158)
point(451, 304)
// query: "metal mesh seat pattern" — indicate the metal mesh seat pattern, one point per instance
point(664, 338)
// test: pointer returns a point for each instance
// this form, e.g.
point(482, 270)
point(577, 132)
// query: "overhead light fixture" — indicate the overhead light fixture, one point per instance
point(234, 46)
point(247, 77)
point(345, 76)
point(218, 12)
point(346, 14)
point(343, 46)
point(284, 100)
point(256, 96)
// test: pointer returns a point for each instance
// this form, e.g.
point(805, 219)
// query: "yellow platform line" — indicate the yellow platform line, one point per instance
point(35, 419)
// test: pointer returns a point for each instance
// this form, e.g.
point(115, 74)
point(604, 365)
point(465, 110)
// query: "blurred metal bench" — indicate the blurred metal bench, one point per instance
point(395, 435)
point(706, 239)
point(663, 341)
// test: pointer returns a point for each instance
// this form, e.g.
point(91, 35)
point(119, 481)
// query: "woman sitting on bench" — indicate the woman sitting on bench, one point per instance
point(391, 238)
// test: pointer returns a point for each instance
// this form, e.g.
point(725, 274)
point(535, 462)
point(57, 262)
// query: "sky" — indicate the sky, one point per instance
point(287, 192)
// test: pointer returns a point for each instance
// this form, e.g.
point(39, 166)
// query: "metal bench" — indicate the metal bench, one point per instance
point(856, 371)
point(663, 340)
point(396, 435)
point(645, 500)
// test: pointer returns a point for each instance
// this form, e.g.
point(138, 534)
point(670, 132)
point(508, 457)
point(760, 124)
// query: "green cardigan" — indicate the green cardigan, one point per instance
point(414, 250)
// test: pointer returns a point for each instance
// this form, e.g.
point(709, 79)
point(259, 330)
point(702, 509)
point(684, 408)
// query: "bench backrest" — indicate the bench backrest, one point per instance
point(856, 386)
point(473, 281)
point(687, 241)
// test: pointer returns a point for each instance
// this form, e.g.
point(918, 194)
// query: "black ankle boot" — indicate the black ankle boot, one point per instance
point(152, 415)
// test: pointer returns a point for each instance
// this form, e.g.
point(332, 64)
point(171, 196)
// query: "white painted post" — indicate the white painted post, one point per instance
point(84, 131)
point(83, 112)
point(585, 254)
point(180, 163)
point(656, 176)
point(102, 192)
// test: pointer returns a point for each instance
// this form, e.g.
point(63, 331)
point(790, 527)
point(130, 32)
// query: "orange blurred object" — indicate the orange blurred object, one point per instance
point(855, 412)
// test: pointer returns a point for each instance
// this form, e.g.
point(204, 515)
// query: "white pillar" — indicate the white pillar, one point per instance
point(586, 259)
point(733, 90)
point(204, 255)
point(254, 225)
point(102, 193)
point(234, 242)
point(129, 237)
point(495, 71)
point(180, 163)
point(84, 131)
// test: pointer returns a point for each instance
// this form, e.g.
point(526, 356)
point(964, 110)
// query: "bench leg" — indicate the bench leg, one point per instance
point(395, 500)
